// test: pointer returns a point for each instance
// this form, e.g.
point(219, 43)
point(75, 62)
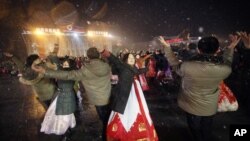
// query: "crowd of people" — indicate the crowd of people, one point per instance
point(116, 83)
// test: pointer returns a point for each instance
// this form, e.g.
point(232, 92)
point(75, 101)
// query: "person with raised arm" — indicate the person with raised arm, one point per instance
point(43, 87)
point(201, 76)
point(130, 118)
point(95, 77)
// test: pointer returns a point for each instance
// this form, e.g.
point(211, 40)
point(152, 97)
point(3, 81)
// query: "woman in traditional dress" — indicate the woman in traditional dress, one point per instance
point(151, 73)
point(140, 63)
point(59, 119)
point(130, 119)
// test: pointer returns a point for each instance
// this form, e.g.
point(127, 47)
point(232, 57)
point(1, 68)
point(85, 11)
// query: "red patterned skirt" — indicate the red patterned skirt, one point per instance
point(227, 100)
point(135, 124)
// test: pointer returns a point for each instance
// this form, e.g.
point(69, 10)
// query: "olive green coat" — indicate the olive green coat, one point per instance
point(200, 80)
point(66, 97)
point(95, 77)
point(44, 88)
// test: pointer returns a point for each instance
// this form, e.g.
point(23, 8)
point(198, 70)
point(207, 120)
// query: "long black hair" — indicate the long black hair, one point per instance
point(125, 57)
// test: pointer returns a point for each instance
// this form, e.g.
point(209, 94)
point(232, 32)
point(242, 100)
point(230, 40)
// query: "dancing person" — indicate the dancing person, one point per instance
point(140, 63)
point(130, 119)
point(241, 70)
point(43, 87)
point(95, 76)
point(151, 73)
point(201, 77)
point(59, 118)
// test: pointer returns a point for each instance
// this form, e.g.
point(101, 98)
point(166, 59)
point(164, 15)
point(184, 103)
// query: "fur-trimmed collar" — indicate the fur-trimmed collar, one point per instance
point(33, 81)
point(208, 58)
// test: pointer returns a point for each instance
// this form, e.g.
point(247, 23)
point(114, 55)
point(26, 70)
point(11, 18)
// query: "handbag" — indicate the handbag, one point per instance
point(227, 101)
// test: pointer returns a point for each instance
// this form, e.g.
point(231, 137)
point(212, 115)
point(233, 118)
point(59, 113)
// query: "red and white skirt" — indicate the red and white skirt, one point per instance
point(143, 82)
point(135, 124)
point(227, 100)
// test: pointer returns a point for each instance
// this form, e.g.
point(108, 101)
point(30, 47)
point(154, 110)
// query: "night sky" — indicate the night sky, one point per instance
point(144, 19)
point(141, 20)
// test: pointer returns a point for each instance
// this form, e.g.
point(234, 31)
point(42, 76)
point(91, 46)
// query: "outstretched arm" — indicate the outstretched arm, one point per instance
point(172, 59)
point(112, 59)
point(63, 75)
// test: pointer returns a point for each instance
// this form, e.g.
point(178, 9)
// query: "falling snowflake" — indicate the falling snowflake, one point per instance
point(201, 29)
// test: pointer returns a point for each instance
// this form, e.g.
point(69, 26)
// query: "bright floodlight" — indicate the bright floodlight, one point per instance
point(90, 34)
point(58, 33)
point(75, 34)
point(39, 32)
point(110, 36)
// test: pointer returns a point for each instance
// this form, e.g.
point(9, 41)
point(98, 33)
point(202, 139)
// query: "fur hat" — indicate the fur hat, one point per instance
point(30, 59)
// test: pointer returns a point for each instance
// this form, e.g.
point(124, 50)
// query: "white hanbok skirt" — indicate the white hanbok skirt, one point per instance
point(57, 124)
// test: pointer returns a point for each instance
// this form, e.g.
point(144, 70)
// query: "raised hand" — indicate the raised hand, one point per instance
point(234, 41)
point(105, 53)
point(245, 38)
point(162, 41)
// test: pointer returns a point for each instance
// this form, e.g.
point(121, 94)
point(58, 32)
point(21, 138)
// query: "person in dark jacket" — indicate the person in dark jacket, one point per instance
point(130, 111)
